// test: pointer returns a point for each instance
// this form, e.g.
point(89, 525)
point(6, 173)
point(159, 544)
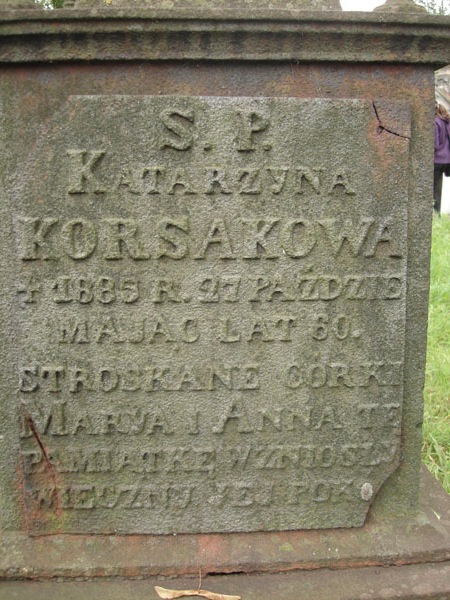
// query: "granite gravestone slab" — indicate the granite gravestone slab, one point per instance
point(210, 313)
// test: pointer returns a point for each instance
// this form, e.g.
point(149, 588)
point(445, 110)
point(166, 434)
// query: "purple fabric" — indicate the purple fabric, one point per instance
point(441, 141)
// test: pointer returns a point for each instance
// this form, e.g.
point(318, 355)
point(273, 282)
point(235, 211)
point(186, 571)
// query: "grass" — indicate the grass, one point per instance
point(436, 429)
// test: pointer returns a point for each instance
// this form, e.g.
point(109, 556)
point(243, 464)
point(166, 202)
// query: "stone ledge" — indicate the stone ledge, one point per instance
point(222, 34)
point(415, 582)
point(425, 539)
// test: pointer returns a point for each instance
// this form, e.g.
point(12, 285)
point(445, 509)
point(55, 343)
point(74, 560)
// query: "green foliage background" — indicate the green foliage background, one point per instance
point(436, 7)
point(436, 427)
point(50, 3)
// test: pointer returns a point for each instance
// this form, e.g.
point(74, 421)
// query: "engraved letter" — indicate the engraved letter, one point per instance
point(238, 413)
point(79, 238)
point(298, 238)
point(83, 163)
point(217, 234)
point(133, 179)
point(250, 124)
point(385, 235)
point(216, 178)
point(355, 235)
point(73, 332)
point(44, 420)
point(171, 232)
point(32, 240)
point(258, 242)
point(311, 176)
point(122, 235)
point(28, 380)
point(340, 179)
point(279, 178)
point(179, 123)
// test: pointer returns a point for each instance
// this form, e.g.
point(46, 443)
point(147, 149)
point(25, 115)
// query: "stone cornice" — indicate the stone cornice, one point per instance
point(179, 34)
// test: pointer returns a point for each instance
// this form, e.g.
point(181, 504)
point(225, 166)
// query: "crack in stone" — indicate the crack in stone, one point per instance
point(382, 128)
point(32, 428)
point(53, 473)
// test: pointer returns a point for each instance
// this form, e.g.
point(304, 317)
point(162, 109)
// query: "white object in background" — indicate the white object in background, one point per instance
point(364, 5)
point(445, 202)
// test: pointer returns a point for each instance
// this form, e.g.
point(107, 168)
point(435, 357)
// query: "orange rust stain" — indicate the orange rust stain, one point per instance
point(36, 519)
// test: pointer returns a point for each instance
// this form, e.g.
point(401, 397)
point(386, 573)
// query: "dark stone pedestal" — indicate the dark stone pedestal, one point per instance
point(402, 560)
point(417, 582)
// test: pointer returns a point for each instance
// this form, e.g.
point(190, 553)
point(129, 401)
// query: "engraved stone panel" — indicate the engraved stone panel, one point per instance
point(208, 300)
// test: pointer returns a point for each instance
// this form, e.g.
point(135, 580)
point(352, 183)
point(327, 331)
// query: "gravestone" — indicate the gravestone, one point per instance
point(194, 314)
point(216, 239)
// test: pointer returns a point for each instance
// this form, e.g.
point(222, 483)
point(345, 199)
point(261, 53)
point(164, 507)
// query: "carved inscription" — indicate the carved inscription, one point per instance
point(203, 376)
point(210, 296)
point(178, 238)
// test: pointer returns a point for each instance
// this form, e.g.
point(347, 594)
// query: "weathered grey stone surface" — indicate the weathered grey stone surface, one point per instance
point(209, 321)
point(250, 4)
point(219, 34)
point(400, 6)
point(9, 4)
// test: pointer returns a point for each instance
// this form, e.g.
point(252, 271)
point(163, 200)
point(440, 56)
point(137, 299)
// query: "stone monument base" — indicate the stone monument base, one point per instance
point(402, 559)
